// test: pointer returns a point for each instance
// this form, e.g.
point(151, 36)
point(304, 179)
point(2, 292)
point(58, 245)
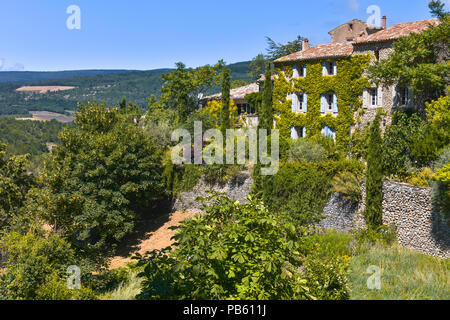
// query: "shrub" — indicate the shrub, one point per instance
point(31, 260)
point(300, 191)
point(441, 184)
point(374, 180)
point(348, 185)
point(421, 178)
point(234, 251)
point(327, 278)
point(306, 150)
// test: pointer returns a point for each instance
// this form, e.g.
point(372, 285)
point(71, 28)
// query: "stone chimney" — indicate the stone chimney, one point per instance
point(305, 44)
point(384, 22)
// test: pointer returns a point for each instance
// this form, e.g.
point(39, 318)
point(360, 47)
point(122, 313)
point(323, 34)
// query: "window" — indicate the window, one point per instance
point(299, 103)
point(328, 103)
point(297, 133)
point(373, 97)
point(302, 71)
point(329, 68)
point(377, 55)
point(329, 133)
point(351, 26)
point(404, 96)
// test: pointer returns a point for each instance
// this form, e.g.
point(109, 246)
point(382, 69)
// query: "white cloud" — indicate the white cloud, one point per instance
point(15, 67)
point(353, 5)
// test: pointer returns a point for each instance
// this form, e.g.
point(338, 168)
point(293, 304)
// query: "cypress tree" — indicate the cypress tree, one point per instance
point(266, 112)
point(374, 177)
point(225, 113)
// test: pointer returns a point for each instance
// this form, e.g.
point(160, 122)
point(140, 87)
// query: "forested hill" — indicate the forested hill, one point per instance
point(28, 76)
point(106, 86)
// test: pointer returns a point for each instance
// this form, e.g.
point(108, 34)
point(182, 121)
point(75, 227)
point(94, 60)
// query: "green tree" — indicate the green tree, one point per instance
point(374, 177)
point(105, 171)
point(266, 112)
point(14, 185)
point(33, 262)
point(225, 112)
point(257, 67)
point(182, 87)
point(437, 9)
point(278, 50)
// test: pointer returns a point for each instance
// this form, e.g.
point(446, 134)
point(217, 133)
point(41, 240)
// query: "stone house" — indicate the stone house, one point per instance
point(348, 40)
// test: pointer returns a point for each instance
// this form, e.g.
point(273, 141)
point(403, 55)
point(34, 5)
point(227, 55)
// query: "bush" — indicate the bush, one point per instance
point(441, 184)
point(421, 178)
point(348, 185)
point(306, 150)
point(301, 191)
point(31, 260)
point(234, 251)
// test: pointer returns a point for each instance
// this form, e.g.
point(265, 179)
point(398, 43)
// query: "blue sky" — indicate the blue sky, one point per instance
point(149, 34)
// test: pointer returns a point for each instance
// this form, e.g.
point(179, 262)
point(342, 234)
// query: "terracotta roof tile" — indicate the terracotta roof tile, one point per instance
point(323, 51)
point(237, 93)
point(398, 31)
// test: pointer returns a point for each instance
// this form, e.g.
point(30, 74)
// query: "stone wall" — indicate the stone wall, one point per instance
point(419, 226)
point(408, 208)
point(236, 189)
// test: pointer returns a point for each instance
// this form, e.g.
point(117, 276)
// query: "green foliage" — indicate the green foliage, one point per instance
point(326, 264)
point(225, 111)
point(360, 142)
point(266, 112)
point(419, 61)
point(306, 150)
point(441, 184)
point(31, 260)
point(348, 185)
point(437, 9)
point(257, 67)
point(299, 190)
point(348, 85)
point(278, 50)
point(215, 257)
point(29, 137)
point(14, 185)
point(407, 143)
point(438, 116)
point(104, 172)
point(374, 177)
point(183, 85)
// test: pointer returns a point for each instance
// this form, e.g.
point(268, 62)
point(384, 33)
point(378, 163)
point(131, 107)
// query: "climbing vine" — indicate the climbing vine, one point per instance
point(348, 85)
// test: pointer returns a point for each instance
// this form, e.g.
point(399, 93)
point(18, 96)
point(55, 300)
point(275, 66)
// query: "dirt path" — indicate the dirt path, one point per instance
point(154, 240)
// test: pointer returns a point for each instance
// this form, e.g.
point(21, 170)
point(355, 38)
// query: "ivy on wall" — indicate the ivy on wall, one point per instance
point(348, 84)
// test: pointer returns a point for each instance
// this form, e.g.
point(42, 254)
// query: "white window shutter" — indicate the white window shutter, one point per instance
point(335, 103)
point(295, 72)
point(322, 103)
point(366, 99)
point(294, 133)
point(380, 96)
point(410, 97)
point(304, 70)
point(304, 132)
point(305, 102)
point(334, 68)
point(324, 68)
point(294, 103)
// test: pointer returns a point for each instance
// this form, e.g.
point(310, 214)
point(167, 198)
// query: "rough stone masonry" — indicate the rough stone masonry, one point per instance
point(419, 226)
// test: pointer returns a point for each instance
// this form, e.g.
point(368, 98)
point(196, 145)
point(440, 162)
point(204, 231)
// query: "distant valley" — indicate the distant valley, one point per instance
point(19, 94)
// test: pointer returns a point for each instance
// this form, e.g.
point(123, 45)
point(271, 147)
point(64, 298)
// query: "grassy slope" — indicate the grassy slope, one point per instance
point(405, 275)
